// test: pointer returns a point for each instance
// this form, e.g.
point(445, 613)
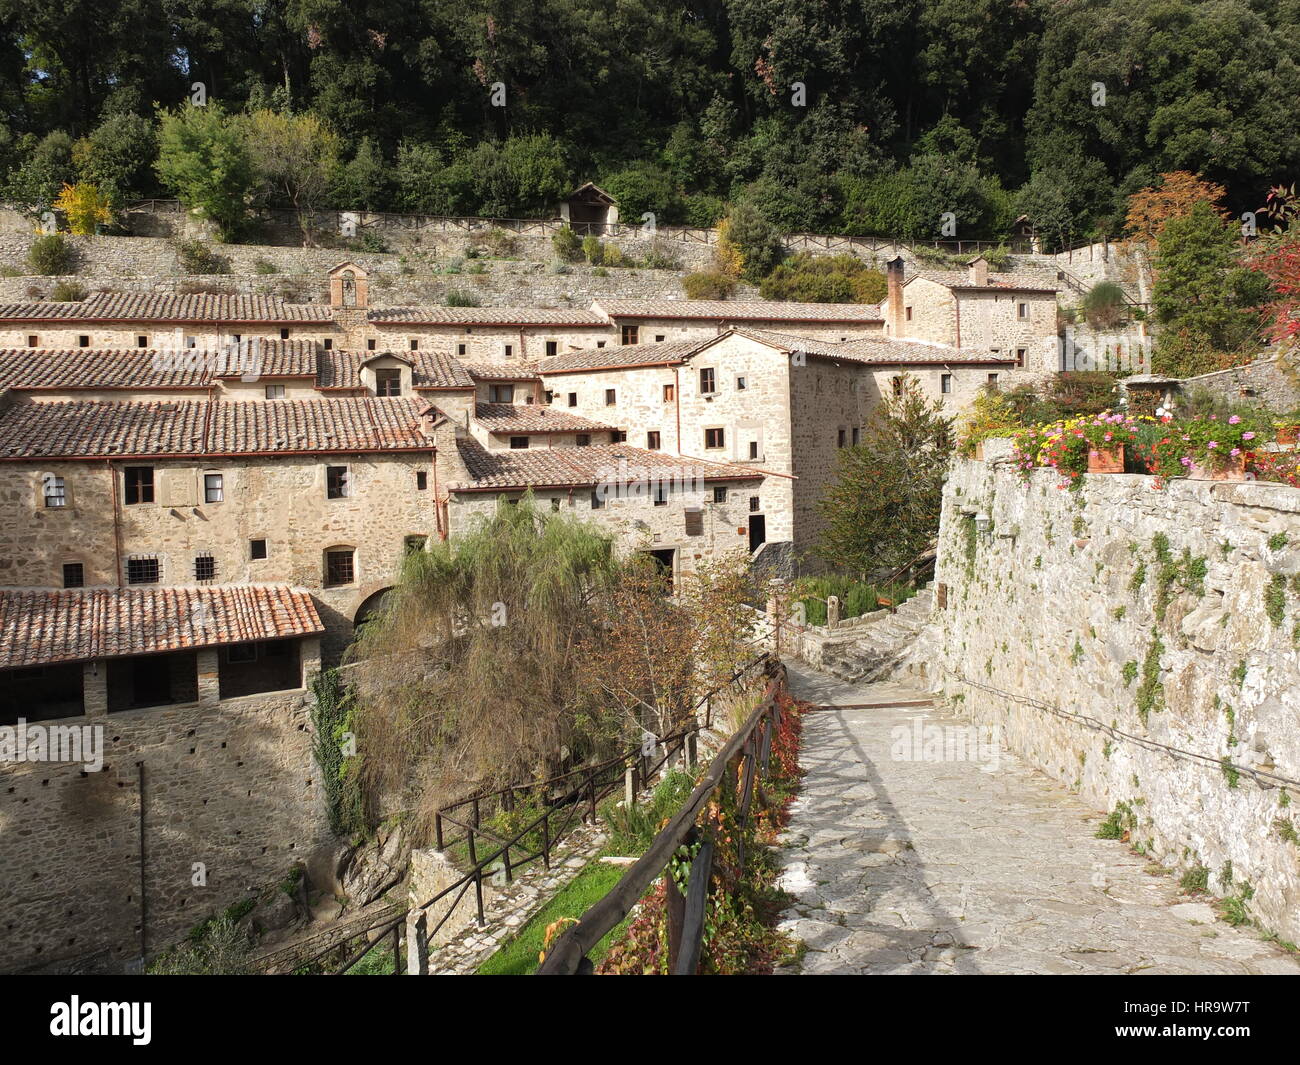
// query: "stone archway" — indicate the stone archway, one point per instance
point(370, 605)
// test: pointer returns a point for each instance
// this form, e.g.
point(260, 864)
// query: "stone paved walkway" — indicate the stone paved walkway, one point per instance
point(940, 867)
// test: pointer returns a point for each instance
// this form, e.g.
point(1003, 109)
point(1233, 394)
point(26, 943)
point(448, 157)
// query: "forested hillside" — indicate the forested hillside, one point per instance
point(1059, 109)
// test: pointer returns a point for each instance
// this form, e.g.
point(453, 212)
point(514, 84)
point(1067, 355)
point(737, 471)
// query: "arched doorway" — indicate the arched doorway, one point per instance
point(370, 606)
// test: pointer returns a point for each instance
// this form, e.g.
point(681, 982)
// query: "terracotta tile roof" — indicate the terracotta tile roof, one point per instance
point(575, 316)
point(533, 418)
point(93, 429)
point(70, 626)
point(583, 466)
point(617, 356)
point(1008, 281)
point(430, 369)
point(741, 310)
point(880, 351)
point(502, 371)
point(152, 307)
point(136, 368)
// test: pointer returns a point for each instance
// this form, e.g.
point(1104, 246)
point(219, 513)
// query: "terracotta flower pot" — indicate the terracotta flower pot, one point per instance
point(1288, 435)
point(979, 451)
point(1234, 469)
point(1106, 460)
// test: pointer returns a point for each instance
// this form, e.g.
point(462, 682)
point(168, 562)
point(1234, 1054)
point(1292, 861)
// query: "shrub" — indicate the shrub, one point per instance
point(85, 207)
point(501, 243)
point(67, 292)
point(809, 278)
point(370, 240)
point(566, 244)
point(748, 240)
point(708, 285)
point(660, 258)
point(50, 255)
point(264, 266)
point(990, 415)
point(1103, 306)
point(612, 255)
point(592, 250)
point(457, 298)
point(197, 258)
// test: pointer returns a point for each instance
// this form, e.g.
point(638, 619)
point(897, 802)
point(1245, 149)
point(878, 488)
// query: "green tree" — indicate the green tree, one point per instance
point(295, 157)
point(118, 156)
point(204, 160)
point(808, 278)
point(883, 508)
point(1195, 296)
point(754, 239)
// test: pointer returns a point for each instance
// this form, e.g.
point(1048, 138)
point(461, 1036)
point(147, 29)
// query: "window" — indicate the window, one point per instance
point(213, 488)
point(33, 341)
point(993, 380)
point(908, 313)
point(573, 399)
point(584, 440)
point(460, 349)
point(55, 491)
point(388, 382)
point(611, 397)
point(629, 334)
point(518, 443)
point(415, 344)
point(896, 383)
point(753, 449)
point(414, 543)
point(945, 383)
point(501, 393)
point(191, 342)
point(256, 549)
point(661, 495)
point(857, 436)
point(552, 347)
point(597, 502)
point(142, 569)
point(142, 341)
point(205, 568)
point(83, 341)
point(1020, 356)
point(840, 438)
point(618, 436)
point(741, 383)
point(715, 438)
point(284, 334)
point(670, 393)
point(660, 338)
point(275, 391)
point(719, 494)
point(753, 503)
point(329, 344)
point(652, 440)
point(74, 575)
point(421, 480)
point(241, 653)
point(600, 343)
point(1022, 310)
point(694, 522)
point(139, 484)
point(509, 351)
point(338, 567)
point(337, 483)
point(706, 381)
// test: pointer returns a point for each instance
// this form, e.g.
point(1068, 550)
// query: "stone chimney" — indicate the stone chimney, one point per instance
point(894, 301)
point(978, 268)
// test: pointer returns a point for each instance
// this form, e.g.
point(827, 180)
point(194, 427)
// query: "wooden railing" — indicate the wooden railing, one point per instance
point(740, 765)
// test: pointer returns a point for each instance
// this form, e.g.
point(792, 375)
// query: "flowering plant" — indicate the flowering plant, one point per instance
point(1067, 445)
point(990, 415)
point(1203, 441)
point(1280, 466)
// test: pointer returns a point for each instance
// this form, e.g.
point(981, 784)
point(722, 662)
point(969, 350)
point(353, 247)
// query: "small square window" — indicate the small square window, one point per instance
point(54, 490)
point(370, 344)
point(611, 397)
point(509, 351)
point(753, 503)
point(83, 341)
point(715, 438)
point(329, 343)
point(719, 494)
point(993, 381)
point(414, 543)
point(600, 343)
point(213, 488)
point(519, 443)
point(256, 549)
point(896, 383)
point(421, 480)
point(573, 399)
point(460, 349)
point(33, 341)
point(142, 570)
point(284, 334)
point(337, 483)
point(630, 334)
point(857, 436)
point(388, 382)
point(945, 383)
point(753, 449)
point(839, 438)
point(618, 436)
point(138, 484)
point(552, 348)
point(706, 381)
point(670, 393)
point(74, 575)
point(501, 393)
point(660, 338)
point(1022, 310)
point(597, 501)
point(555, 504)
point(275, 391)
point(742, 383)
point(584, 440)
point(652, 440)
point(205, 568)
point(415, 344)
point(1020, 356)
point(339, 567)
point(142, 341)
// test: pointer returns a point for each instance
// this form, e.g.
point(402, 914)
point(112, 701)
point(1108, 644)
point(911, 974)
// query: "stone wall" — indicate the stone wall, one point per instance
point(232, 786)
point(1142, 618)
point(1264, 382)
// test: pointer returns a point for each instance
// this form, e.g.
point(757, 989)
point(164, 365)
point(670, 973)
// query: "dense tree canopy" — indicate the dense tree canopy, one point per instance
point(866, 116)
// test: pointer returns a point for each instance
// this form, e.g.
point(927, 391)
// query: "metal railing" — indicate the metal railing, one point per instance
point(739, 765)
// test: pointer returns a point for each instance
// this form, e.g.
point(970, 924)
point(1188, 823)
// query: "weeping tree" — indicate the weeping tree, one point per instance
point(517, 648)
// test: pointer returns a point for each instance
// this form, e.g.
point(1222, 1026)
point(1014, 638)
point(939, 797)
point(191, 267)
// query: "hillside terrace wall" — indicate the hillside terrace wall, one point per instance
point(1061, 604)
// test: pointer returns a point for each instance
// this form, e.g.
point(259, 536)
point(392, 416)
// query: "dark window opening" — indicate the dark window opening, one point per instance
point(256, 549)
point(139, 484)
point(142, 570)
point(339, 568)
point(74, 575)
point(205, 568)
point(337, 484)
